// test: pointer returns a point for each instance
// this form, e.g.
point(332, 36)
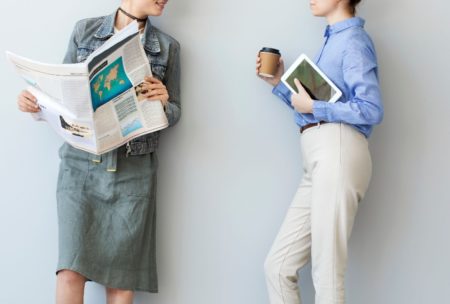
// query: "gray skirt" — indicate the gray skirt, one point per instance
point(106, 217)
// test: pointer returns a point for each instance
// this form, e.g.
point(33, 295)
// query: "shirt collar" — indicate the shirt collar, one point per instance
point(343, 25)
point(151, 41)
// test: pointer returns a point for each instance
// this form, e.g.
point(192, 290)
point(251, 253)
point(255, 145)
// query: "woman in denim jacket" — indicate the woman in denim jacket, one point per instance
point(106, 205)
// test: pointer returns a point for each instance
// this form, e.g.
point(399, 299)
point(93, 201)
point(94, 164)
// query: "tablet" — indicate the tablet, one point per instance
point(315, 82)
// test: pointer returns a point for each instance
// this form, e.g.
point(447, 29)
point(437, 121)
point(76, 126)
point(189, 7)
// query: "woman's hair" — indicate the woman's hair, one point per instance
point(353, 4)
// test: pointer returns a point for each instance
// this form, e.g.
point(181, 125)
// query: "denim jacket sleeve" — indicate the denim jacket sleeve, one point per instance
point(71, 53)
point(172, 81)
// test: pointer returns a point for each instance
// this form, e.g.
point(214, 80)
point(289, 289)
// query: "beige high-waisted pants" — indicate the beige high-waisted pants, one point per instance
point(337, 170)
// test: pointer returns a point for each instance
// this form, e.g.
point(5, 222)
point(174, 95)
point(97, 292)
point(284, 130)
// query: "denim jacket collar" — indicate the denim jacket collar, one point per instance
point(343, 25)
point(151, 41)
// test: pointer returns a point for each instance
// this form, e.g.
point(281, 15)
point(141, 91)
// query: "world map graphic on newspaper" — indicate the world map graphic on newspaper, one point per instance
point(109, 83)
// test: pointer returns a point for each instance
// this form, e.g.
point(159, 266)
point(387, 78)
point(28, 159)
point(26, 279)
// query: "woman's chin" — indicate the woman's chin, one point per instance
point(318, 15)
point(316, 12)
point(156, 13)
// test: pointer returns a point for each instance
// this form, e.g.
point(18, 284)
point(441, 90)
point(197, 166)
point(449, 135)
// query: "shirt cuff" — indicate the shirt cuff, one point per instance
point(320, 110)
point(283, 92)
point(281, 89)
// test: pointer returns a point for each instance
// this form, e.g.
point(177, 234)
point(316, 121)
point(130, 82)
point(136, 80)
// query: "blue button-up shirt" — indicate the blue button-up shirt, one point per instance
point(348, 58)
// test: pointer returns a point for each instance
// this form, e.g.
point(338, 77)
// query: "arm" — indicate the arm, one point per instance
point(365, 105)
point(71, 53)
point(172, 81)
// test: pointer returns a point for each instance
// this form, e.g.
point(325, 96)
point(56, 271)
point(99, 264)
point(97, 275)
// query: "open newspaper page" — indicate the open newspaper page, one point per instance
point(63, 96)
point(121, 111)
point(97, 105)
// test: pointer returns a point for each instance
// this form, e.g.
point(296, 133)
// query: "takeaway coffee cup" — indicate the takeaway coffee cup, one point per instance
point(269, 61)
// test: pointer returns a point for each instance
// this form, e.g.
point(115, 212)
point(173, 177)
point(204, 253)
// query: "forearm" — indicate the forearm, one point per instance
point(173, 107)
point(173, 113)
point(357, 112)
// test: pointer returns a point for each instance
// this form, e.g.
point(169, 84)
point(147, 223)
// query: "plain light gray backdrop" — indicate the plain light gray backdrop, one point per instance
point(230, 168)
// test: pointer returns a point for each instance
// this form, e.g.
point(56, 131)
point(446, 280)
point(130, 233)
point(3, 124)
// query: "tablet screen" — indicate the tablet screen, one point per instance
point(317, 87)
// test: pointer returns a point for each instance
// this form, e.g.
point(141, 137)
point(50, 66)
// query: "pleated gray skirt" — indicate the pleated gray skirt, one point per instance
point(106, 217)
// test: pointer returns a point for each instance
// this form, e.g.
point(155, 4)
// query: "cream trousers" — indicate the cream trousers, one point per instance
point(337, 170)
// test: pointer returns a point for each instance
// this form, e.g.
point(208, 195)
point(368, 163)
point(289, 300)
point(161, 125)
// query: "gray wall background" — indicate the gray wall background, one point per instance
point(229, 170)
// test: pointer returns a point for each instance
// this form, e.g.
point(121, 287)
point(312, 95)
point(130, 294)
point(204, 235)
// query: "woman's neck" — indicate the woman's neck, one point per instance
point(123, 20)
point(338, 15)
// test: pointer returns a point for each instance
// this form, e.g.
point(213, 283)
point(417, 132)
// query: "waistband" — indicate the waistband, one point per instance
point(302, 129)
point(110, 158)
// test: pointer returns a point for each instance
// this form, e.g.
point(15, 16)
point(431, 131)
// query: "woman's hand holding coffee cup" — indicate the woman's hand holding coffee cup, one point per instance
point(271, 80)
point(270, 66)
point(302, 102)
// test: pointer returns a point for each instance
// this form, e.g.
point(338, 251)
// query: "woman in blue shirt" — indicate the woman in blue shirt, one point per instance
point(336, 159)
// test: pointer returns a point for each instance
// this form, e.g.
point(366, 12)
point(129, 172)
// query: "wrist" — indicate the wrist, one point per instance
point(275, 82)
point(311, 107)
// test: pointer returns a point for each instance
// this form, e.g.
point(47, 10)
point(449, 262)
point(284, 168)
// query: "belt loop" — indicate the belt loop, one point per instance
point(96, 158)
point(128, 149)
point(112, 161)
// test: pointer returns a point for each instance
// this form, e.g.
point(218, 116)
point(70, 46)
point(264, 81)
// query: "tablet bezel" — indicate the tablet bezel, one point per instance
point(296, 63)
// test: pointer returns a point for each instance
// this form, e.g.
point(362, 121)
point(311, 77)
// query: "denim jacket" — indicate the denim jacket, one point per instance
point(163, 52)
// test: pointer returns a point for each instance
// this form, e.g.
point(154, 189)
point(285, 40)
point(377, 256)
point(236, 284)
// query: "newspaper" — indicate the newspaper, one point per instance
point(97, 105)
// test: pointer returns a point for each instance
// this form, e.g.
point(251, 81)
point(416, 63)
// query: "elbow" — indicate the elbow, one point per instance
point(380, 113)
point(371, 112)
point(174, 121)
point(378, 117)
point(174, 115)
